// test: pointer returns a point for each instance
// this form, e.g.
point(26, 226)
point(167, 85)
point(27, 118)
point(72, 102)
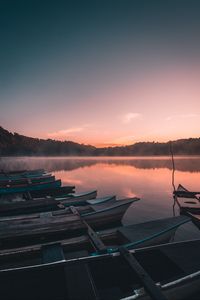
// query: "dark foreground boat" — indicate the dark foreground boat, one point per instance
point(174, 267)
point(132, 236)
point(22, 188)
point(14, 208)
point(27, 229)
point(195, 218)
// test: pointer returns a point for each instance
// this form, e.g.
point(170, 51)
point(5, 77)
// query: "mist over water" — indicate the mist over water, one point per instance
point(146, 177)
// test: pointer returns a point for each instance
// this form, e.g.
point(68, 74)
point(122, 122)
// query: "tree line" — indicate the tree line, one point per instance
point(14, 144)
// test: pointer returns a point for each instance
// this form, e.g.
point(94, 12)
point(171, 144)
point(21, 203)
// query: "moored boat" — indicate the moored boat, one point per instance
point(50, 204)
point(60, 224)
point(10, 182)
point(183, 192)
point(186, 200)
point(109, 276)
point(22, 188)
point(132, 236)
point(61, 191)
point(189, 204)
point(15, 175)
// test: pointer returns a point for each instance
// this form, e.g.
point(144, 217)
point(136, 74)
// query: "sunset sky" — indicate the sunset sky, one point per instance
point(104, 72)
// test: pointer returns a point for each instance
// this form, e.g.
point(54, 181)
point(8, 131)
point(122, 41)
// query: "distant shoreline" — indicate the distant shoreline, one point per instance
point(14, 144)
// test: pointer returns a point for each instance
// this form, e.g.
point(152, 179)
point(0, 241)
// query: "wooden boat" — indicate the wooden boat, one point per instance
point(13, 183)
point(189, 204)
point(78, 196)
point(120, 275)
point(14, 175)
point(131, 236)
point(50, 204)
point(183, 192)
point(53, 192)
point(31, 187)
point(26, 229)
point(22, 172)
point(186, 200)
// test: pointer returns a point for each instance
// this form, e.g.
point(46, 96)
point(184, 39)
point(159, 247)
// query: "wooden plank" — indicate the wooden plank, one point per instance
point(52, 253)
point(142, 275)
point(96, 241)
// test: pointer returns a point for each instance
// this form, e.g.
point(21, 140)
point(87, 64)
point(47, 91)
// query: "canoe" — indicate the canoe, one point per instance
point(131, 237)
point(27, 229)
point(22, 172)
point(53, 192)
point(183, 192)
point(78, 196)
point(13, 183)
point(110, 276)
point(14, 175)
point(49, 204)
point(31, 187)
point(44, 178)
point(186, 200)
point(22, 198)
point(189, 204)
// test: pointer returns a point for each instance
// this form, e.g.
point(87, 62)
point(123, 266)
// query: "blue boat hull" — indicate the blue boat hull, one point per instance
point(31, 187)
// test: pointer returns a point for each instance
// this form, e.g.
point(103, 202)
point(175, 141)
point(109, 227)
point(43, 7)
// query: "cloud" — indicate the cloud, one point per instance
point(183, 116)
point(128, 140)
point(127, 118)
point(64, 133)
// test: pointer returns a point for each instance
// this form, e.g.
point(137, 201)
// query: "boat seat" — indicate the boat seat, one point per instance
point(52, 253)
point(79, 282)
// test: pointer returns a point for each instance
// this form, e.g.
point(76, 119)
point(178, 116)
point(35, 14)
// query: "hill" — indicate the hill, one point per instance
point(16, 144)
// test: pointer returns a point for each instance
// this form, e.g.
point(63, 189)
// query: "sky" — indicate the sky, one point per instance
point(105, 72)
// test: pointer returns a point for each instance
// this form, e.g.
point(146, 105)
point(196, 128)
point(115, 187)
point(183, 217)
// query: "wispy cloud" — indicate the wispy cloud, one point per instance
point(127, 118)
point(64, 133)
point(129, 139)
point(182, 116)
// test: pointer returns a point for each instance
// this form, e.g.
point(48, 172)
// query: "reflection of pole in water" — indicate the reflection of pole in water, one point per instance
point(173, 176)
point(173, 166)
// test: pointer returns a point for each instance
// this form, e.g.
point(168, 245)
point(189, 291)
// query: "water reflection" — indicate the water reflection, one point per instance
point(189, 164)
point(147, 178)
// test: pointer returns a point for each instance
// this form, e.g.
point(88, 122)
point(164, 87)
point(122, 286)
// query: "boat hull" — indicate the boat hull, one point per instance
point(53, 192)
point(58, 225)
point(27, 181)
point(15, 175)
point(105, 275)
point(47, 204)
point(31, 187)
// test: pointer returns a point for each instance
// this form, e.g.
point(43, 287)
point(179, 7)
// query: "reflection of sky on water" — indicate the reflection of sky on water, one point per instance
point(147, 178)
point(189, 164)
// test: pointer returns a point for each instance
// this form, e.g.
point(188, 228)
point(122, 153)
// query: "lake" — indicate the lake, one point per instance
point(149, 178)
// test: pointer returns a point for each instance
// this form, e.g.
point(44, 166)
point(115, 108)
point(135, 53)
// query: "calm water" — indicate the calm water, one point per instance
point(148, 178)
